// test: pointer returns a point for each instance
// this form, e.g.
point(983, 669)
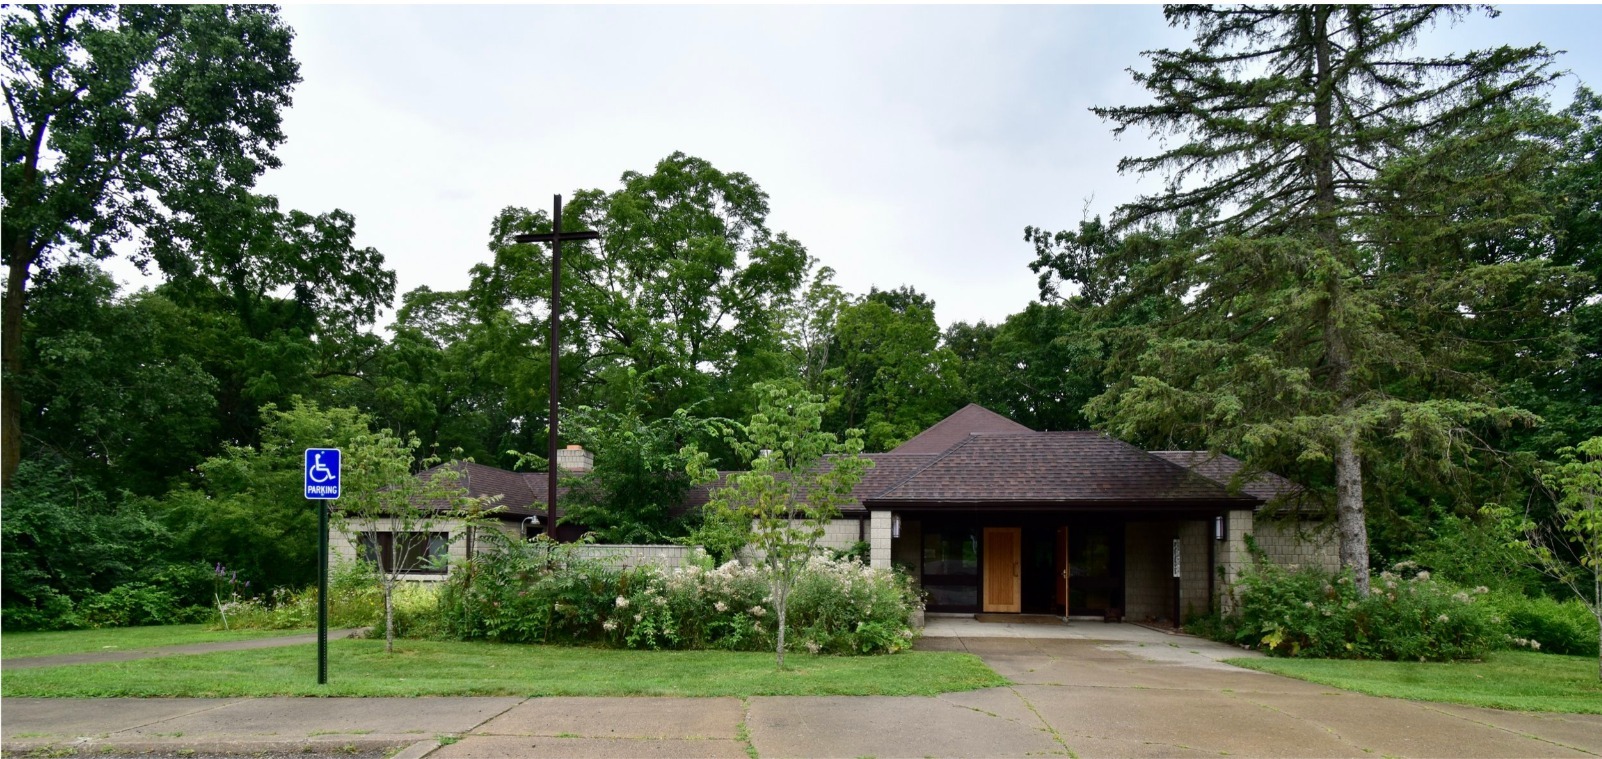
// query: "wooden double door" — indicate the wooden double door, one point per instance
point(1058, 570)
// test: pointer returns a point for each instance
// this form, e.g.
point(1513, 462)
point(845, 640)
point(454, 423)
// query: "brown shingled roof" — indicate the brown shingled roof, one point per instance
point(1054, 468)
point(522, 493)
point(1220, 468)
point(969, 420)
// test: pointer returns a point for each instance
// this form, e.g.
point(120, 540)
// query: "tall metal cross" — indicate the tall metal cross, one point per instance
point(555, 237)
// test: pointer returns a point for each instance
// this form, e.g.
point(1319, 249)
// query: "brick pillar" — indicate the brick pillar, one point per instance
point(879, 540)
point(1233, 556)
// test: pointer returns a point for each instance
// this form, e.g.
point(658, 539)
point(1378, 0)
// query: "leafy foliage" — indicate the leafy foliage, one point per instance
point(544, 592)
point(639, 481)
point(1306, 612)
point(800, 475)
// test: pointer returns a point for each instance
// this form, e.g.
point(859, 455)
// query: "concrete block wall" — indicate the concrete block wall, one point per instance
point(1148, 570)
point(1194, 535)
point(630, 556)
point(1232, 555)
point(841, 534)
point(1289, 541)
point(879, 541)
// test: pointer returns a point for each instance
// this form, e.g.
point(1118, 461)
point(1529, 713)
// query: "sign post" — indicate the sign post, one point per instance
point(322, 487)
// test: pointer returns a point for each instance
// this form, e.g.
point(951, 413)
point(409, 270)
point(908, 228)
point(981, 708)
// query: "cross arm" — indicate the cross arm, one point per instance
point(552, 236)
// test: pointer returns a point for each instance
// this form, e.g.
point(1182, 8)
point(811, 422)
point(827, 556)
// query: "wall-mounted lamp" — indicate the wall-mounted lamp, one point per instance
point(895, 526)
point(1218, 527)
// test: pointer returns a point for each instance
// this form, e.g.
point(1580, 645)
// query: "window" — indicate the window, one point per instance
point(415, 552)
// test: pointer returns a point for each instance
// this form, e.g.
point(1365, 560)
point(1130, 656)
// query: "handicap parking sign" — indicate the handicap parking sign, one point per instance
point(322, 473)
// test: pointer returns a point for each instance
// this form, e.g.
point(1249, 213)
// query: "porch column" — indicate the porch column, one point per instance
point(879, 540)
point(1234, 558)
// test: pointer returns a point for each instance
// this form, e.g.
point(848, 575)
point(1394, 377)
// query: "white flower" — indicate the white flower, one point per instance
point(757, 611)
point(1308, 604)
point(609, 625)
point(1443, 618)
point(638, 617)
point(720, 606)
point(1535, 644)
point(813, 647)
point(1424, 575)
point(622, 603)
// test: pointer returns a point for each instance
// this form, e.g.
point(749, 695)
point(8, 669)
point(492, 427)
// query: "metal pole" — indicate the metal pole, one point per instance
point(556, 354)
point(322, 592)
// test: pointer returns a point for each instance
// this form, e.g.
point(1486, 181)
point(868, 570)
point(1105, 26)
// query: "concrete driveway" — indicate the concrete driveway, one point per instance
point(1084, 690)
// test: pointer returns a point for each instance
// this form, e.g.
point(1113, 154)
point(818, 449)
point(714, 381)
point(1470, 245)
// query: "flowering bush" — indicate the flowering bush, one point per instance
point(1307, 612)
point(544, 592)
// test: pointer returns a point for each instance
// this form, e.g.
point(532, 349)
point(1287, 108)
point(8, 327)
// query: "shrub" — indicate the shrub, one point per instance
point(543, 592)
point(353, 601)
point(1307, 612)
point(1546, 624)
point(137, 603)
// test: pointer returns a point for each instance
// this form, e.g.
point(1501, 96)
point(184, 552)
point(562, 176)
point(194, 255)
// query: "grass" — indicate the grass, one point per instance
point(428, 668)
point(1521, 680)
point(22, 645)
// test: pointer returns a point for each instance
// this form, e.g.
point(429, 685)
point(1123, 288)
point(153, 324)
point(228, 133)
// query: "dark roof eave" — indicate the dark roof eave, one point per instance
point(1082, 505)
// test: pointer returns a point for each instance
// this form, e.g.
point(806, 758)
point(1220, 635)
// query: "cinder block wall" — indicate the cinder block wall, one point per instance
point(1148, 580)
point(1194, 535)
point(1290, 541)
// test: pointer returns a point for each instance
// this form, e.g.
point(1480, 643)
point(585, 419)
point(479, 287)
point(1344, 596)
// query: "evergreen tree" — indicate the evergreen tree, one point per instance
point(1328, 291)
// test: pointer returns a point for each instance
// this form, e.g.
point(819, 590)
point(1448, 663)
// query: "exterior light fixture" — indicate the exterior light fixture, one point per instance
point(895, 526)
point(1218, 527)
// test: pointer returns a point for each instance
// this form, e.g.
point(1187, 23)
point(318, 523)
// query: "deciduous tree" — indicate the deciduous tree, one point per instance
point(121, 119)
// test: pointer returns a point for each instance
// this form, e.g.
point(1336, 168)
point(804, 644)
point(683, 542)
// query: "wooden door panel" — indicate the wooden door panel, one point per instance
point(1003, 590)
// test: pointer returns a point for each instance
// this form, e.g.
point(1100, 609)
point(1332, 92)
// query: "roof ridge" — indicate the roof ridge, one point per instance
point(935, 459)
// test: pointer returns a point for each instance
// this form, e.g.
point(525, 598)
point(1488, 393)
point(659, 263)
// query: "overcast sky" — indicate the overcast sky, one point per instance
point(901, 145)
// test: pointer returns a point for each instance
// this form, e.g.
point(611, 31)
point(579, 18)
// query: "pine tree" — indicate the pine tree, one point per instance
point(1326, 238)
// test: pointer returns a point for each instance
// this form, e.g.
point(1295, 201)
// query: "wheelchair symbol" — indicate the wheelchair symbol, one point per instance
point(319, 473)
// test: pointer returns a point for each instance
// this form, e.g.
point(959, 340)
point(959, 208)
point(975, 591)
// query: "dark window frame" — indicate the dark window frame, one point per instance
point(379, 547)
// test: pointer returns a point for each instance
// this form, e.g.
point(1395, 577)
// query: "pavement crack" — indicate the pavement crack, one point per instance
point(742, 731)
point(1519, 733)
point(1333, 733)
point(171, 717)
point(1056, 736)
point(487, 720)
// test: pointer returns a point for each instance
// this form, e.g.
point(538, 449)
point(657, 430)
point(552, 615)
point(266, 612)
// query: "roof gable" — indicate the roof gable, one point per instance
point(972, 419)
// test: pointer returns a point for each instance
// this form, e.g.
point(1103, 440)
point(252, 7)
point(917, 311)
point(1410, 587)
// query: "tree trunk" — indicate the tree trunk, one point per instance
point(389, 618)
point(780, 602)
point(11, 366)
point(1349, 510)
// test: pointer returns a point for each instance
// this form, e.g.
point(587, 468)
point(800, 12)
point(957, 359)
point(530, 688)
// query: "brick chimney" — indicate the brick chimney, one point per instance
point(575, 459)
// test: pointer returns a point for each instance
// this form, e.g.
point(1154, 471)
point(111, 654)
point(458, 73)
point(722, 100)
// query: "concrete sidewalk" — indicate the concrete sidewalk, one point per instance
point(1132, 693)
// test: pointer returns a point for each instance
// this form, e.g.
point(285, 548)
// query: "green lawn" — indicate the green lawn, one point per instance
point(20, 645)
point(1520, 680)
point(426, 668)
